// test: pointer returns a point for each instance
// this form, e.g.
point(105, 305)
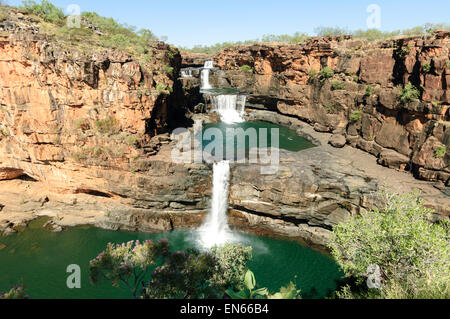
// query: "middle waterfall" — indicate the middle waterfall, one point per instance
point(231, 108)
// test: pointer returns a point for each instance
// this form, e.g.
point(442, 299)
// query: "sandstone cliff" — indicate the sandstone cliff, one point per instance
point(357, 89)
point(82, 124)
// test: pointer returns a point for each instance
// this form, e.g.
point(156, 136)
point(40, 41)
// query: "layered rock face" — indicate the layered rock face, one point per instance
point(83, 129)
point(356, 89)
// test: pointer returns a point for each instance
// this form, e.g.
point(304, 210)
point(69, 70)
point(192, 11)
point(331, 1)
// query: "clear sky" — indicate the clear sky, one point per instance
point(187, 23)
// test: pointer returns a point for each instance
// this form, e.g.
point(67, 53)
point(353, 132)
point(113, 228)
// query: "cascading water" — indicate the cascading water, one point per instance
point(231, 108)
point(205, 80)
point(205, 75)
point(215, 231)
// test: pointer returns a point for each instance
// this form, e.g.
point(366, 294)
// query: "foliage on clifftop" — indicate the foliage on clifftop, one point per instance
point(300, 38)
point(94, 32)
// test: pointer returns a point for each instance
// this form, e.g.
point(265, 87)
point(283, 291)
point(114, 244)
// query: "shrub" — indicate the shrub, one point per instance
point(161, 88)
point(369, 90)
point(107, 126)
point(356, 115)
point(412, 253)
point(246, 68)
point(336, 85)
point(410, 93)
point(326, 73)
point(249, 290)
point(448, 64)
point(427, 67)
point(232, 265)
point(4, 132)
point(441, 151)
point(331, 31)
point(45, 10)
point(312, 73)
point(168, 69)
point(15, 293)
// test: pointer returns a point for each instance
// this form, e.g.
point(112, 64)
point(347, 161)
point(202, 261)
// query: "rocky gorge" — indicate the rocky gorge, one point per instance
point(85, 135)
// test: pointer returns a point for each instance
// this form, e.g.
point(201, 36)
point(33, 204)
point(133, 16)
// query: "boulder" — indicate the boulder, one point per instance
point(392, 159)
point(338, 141)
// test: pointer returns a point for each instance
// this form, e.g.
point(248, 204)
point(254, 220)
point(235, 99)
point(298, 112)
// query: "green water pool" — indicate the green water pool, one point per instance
point(38, 259)
point(288, 139)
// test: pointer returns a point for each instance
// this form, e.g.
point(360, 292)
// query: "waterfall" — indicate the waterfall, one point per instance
point(215, 230)
point(205, 80)
point(231, 108)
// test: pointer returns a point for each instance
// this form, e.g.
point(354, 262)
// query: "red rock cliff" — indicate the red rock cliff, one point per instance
point(363, 98)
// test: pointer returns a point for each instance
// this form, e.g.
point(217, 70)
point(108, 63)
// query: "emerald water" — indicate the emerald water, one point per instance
point(39, 259)
point(288, 139)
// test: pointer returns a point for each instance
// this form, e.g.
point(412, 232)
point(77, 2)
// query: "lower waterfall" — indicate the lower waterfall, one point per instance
point(215, 230)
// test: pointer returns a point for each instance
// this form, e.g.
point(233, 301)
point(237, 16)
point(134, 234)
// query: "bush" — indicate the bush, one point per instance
point(232, 265)
point(107, 126)
point(326, 73)
point(45, 10)
point(410, 93)
point(246, 68)
point(412, 253)
point(336, 85)
point(427, 67)
point(249, 290)
point(168, 69)
point(369, 90)
point(356, 115)
point(312, 73)
point(440, 151)
point(15, 293)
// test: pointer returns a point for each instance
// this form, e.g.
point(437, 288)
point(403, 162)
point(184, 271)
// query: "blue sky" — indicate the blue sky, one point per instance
point(187, 23)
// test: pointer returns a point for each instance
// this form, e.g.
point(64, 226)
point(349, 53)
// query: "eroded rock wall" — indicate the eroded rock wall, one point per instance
point(362, 99)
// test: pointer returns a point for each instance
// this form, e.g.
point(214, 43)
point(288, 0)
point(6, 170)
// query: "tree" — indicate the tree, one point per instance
point(127, 263)
point(187, 275)
point(412, 254)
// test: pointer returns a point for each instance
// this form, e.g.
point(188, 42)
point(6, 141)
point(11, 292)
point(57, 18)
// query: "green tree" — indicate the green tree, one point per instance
point(46, 10)
point(150, 270)
point(412, 253)
point(127, 263)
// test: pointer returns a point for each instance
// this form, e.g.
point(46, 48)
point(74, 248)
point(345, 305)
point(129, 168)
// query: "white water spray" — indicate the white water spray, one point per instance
point(231, 108)
point(205, 80)
point(215, 231)
point(205, 75)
